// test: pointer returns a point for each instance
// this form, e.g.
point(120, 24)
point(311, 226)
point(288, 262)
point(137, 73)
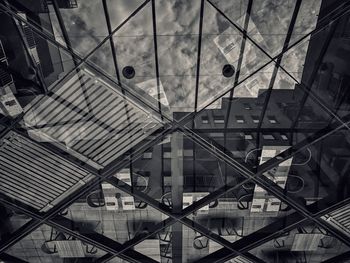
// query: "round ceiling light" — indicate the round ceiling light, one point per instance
point(228, 71)
point(129, 72)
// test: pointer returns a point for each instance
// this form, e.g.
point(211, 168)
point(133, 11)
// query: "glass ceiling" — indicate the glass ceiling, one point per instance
point(174, 131)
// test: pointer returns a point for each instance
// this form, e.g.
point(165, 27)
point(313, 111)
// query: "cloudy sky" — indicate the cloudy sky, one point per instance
point(177, 24)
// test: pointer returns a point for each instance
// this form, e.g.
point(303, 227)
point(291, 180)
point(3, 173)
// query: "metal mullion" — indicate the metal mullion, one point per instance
point(155, 44)
point(199, 50)
point(240, 59)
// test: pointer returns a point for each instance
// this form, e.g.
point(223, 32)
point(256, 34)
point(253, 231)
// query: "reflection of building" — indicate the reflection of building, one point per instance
point(31, 60)
point(84, 118)
point(8, 103)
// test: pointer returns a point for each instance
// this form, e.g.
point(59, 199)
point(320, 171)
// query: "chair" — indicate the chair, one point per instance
point(248, 186)
point(54, 236)
point(295, 184)
point(244, 200)
point(165, 246)
point(97, 194)
point(200, 241)
point(279, 241)
point(92, 250)
point(166, 200)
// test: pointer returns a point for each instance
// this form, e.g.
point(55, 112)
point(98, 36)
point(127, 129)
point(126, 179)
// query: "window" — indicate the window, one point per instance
point(147, 155)
point(272, 119)
point(188, 153)
point(219, 119)
point(255, 119)
point(240, 119)
point(247, 106)
point(166, 155)
point(248, 137)
point(205, 119)
point(284, 137)
point(268, 137)
point(216, 134)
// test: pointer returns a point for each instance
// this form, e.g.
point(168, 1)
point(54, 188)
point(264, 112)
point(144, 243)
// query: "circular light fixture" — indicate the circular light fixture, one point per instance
point(129, 72)
point(228, 71)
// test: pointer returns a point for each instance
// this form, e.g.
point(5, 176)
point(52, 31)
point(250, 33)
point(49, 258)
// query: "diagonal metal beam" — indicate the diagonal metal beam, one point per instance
point(80, 232)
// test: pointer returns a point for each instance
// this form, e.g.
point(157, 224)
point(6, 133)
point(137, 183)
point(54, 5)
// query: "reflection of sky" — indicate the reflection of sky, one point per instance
point(177, 29)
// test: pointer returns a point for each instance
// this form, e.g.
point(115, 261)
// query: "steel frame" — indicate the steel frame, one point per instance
point(307, 212)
